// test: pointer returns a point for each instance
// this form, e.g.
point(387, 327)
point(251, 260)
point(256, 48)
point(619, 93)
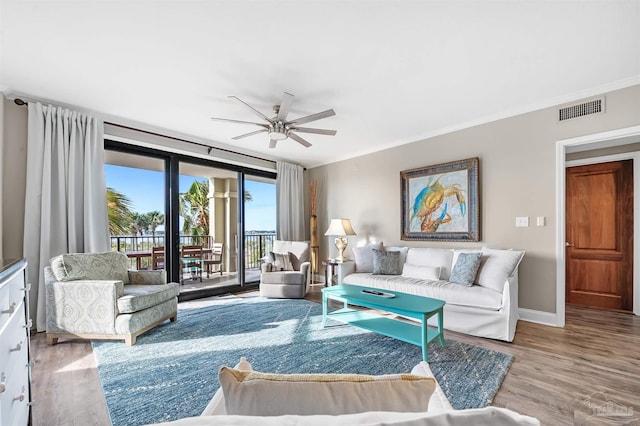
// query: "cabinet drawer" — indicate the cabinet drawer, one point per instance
point(11, 295)
point(14, 401)
point(13, 342)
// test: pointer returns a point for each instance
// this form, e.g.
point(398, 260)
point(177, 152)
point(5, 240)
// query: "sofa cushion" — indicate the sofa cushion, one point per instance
point(386, 262)
point(283, 277)
point(454, 294)
point(497, 266)
point(138, 297)
point(363, 256)
point(263, 394)
point(111, 265)
point(466, 268)
point(431, 273)
point(432, 257)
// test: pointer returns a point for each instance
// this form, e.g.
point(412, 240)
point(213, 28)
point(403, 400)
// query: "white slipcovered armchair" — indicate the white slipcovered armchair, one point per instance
point(287, 273)
point(96, 296)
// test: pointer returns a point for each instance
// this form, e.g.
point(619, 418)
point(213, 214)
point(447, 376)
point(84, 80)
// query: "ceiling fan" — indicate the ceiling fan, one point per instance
point(278, 127)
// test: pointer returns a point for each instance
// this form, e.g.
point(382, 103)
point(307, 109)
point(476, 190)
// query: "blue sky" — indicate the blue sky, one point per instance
point(145, 189)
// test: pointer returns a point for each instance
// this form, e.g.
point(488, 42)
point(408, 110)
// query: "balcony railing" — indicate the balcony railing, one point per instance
point(256, 246)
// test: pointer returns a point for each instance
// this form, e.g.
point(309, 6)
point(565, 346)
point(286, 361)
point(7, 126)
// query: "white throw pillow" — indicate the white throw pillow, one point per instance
point(497, 266)
point(421, 272)
point(263, 394)
point(363, 256)
point(432, 257)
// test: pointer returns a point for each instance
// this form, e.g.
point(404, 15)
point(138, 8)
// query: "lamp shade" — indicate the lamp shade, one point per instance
point(340, 227)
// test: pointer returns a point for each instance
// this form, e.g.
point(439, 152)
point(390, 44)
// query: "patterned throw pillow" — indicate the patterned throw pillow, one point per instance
point(387, 262)
point(466, 268)
point(282, 261)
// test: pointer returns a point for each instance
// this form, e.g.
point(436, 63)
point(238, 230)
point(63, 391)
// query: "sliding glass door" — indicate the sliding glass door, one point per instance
point(188, 216)
point(259, 224)
point(208, 207)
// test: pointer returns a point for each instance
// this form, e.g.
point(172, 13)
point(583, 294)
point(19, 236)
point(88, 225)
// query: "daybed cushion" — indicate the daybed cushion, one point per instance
point(455, 294)
point(488, 416)
point(266, 394)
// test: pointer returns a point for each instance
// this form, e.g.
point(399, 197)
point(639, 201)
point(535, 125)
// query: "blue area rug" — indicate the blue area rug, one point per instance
point(172, 371)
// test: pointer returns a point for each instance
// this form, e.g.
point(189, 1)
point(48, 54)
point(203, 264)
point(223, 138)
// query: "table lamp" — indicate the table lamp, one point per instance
point(340, 228)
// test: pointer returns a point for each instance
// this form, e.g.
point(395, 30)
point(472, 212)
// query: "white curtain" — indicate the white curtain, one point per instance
point(290, 202)
point(65, 203)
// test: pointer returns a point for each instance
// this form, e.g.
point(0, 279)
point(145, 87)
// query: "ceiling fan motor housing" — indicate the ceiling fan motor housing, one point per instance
point(278, 131)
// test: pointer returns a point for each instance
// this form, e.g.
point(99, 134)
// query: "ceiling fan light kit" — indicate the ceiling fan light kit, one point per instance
point(278, 127)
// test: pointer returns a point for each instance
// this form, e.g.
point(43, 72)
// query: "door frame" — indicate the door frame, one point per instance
point(598, 140)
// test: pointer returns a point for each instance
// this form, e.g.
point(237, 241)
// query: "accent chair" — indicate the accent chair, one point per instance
point(96, 296)
point(287, 272)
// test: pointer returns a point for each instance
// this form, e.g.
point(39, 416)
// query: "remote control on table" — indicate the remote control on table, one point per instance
point(378, 293)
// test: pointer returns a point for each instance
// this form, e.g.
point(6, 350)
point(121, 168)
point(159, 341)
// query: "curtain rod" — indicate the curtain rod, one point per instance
point(210, 148)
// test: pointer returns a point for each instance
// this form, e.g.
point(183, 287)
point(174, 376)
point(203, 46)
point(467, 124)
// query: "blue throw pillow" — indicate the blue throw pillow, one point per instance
point(387, 262)
point(466, 268)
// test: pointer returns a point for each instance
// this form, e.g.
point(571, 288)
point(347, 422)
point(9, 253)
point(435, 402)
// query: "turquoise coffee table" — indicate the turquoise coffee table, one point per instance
point(407, 305)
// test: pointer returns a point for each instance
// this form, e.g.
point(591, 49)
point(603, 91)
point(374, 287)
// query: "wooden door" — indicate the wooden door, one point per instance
point(599, 240)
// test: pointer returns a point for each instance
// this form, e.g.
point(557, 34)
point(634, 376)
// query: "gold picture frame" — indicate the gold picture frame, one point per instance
point(441, 202)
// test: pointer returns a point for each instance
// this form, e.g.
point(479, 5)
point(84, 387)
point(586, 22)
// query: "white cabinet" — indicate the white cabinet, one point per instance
point(14, 343)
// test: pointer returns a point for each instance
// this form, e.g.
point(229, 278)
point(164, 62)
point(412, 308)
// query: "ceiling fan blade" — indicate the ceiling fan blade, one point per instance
point(313, 117)
point(250, 134)
point(252, 108)
point(316, 131)
point(299, 140)
point(285, 105)
point(272, 143)
point(266, 126)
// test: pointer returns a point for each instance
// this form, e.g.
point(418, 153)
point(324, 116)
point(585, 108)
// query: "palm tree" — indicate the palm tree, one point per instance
point(194, 209)
point(155, 219)
point(118, 212)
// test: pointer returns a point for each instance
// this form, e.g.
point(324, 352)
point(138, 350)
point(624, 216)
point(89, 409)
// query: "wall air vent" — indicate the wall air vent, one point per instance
point(593, 106)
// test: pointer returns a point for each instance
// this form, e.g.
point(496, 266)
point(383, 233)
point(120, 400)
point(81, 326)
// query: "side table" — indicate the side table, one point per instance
point(330, 272)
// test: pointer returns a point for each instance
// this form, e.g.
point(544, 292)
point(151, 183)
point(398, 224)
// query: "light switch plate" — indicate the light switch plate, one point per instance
point(540, 221)
point(522, 221)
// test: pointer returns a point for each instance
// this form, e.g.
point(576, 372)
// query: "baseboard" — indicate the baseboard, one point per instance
point(539, 317)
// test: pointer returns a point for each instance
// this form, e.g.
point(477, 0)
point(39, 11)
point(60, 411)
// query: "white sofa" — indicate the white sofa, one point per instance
point(488, 308)
point(439, 413)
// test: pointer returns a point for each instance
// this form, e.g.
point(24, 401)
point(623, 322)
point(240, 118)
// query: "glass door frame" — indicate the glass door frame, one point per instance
point(172, 209)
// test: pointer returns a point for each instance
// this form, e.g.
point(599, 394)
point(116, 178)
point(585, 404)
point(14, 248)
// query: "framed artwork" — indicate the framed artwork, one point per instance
point(440, 202)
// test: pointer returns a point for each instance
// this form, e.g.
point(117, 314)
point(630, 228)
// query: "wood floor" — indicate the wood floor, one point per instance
point(562, 376)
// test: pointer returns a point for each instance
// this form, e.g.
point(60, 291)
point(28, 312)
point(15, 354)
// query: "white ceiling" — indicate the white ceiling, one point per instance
point(394, 72)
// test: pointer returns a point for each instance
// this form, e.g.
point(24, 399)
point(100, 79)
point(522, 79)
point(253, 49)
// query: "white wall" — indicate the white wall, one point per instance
point(517, 178)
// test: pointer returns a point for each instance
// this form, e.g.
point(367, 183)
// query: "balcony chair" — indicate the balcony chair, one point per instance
point(157, 258)
point(214, 258)
point(191, 262)
point(286, 274)
point(96, 296)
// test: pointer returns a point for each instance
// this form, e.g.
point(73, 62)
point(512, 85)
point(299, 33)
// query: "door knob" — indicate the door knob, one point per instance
point(568, 244)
